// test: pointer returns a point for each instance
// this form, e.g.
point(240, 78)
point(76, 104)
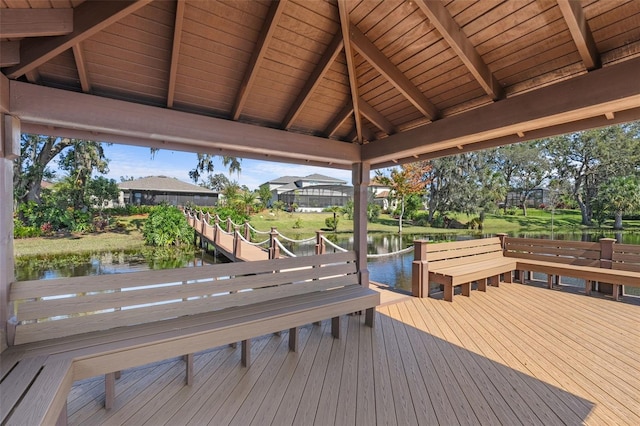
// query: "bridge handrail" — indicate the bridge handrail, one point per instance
point(335, 246)
point(257, 231)
point(249, 242)
point(291, 240)
point(222, 230)
point(395, 253)
point(284, 249)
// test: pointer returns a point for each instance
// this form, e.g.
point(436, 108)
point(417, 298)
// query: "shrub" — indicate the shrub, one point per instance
point(166, 226)
point(332, 223)
point(22, 231)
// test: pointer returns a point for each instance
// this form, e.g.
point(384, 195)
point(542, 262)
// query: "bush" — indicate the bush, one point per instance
point(373, 212)
point(22, 231)
point(332, 223)
point(166, 226)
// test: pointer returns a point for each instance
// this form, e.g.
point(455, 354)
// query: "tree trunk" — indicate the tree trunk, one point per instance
point(618, 222)
point(584, 211)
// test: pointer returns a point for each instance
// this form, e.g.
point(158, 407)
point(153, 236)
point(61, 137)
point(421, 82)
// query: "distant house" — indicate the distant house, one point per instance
point(154, 190)
point(537, 197)
point(310, 193)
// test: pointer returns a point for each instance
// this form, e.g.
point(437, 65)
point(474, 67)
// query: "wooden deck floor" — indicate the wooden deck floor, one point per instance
point(514, 355)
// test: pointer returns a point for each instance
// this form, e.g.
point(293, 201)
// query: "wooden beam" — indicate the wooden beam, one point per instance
point(338, 120)
point(19, 23)
point(442, 20)
point(389, 71)
point(9, 53)
point(71, 110)
point(378, 120)
point(345, 25)
point(4, 94)
point(88, 19)
point(268, 29)
point(609, 89)
point(329, 56)
point(580, 32)
point(33, 76)
point(175, 51)
point(78, 55)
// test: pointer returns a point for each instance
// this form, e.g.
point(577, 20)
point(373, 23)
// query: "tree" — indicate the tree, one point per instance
point(80, 162)
point(247, 201)
point(619, 195)
point(101, 190)
point(403, 182)
point(205, 165)
point(216, 182)
point(231, 192)
point(264, 193)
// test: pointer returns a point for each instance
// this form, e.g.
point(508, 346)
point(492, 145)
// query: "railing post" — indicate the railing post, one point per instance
point(216, 230)
point(420, 269)
point(237, 242)
point(274, 250)
point(320, 247)
point(247, 231)
point(606, 262)
point(229, 225)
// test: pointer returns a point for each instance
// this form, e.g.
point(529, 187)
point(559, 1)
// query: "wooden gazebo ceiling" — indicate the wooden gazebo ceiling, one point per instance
point(326, 82)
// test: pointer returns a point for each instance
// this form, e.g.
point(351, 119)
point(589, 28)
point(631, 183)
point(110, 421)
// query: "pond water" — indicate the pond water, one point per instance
point(394, 271)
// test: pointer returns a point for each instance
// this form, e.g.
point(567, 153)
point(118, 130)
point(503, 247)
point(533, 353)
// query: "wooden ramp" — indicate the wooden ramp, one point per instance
point(515, 355)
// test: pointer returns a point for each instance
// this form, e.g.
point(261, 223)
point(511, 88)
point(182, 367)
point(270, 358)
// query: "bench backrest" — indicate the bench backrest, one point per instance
point(444, 255)
point(48, 309)
point(567, 252)
point(626, 257)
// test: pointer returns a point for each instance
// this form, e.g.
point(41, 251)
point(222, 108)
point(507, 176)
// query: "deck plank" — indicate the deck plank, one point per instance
point(517, 354)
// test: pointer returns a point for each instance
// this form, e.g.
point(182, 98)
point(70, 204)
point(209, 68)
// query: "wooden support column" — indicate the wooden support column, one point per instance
point(420, 269)
point(274, 250)
point(320, 247)
point(360, 180)
point(246, 353)
point(9, 150)
point(606, 262)
point(109, 390)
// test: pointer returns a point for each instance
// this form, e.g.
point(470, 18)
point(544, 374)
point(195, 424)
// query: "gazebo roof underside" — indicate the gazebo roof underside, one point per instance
point(328, 83)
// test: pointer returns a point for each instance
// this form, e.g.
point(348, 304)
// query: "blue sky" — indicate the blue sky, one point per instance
point(136, 162)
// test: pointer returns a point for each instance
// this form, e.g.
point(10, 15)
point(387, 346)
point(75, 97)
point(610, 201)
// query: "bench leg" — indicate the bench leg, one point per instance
point(448, 292)
point(495, 281)
point(466, 289)
point(233, 345)
point(369, 317)
point(508, 278)
point(188, 359)
point(277, 333)
point(109, 390)
point(587, 287)
point(246, 353)
point(293, 339)
point(550, 281)
point(616, 292)
point(316, 323)
point(335, 327)
point(62, 420)
point(482, 284)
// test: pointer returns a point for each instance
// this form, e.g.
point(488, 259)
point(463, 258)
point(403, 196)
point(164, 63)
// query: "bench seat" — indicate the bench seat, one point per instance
point(284, 294)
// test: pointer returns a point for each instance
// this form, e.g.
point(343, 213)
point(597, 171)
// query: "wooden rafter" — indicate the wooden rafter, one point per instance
point(78, 55)
point(18, 23)
point(9, 53)
point(340, 118)
point(268, 29)
point(385, 67)
point(345, 24)
point(5, 94)
point(442, 20)
point(33, 76)
point(610, 89)
point(329, 56)
point(89, 18)
point(376, 118)
point(580, 32)
point(175, 51)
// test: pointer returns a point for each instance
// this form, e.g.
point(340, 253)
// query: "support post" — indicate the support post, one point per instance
point(247, 231)
point(216, 231)
point(229, 225)
point(237, 244)
point(606, 262)
point(274, 250)
point(320, 247)
point(9, 150)
point(420, 269)
point(360, 180)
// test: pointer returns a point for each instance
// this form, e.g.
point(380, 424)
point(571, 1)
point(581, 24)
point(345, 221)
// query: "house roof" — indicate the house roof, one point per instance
point(330, 83)
point(315, 177)
point(163, 184)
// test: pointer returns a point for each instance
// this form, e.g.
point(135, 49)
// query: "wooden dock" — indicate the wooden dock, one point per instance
point(517, 354)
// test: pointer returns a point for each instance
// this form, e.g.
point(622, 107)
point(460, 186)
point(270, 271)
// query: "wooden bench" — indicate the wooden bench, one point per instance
point(461, 263)
point(583, 260)
point(71, 329)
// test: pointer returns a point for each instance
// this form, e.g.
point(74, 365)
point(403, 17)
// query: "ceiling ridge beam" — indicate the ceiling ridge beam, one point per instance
point(175, 51)
point(580, 32)
point(78, 55)
point(88, 19)
point(338, 120)
point(376, 118)
point(345, 25)
point(262, 44)
point(386, 68)
point(328, 58)
point(18, 23)
point(442, 20)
